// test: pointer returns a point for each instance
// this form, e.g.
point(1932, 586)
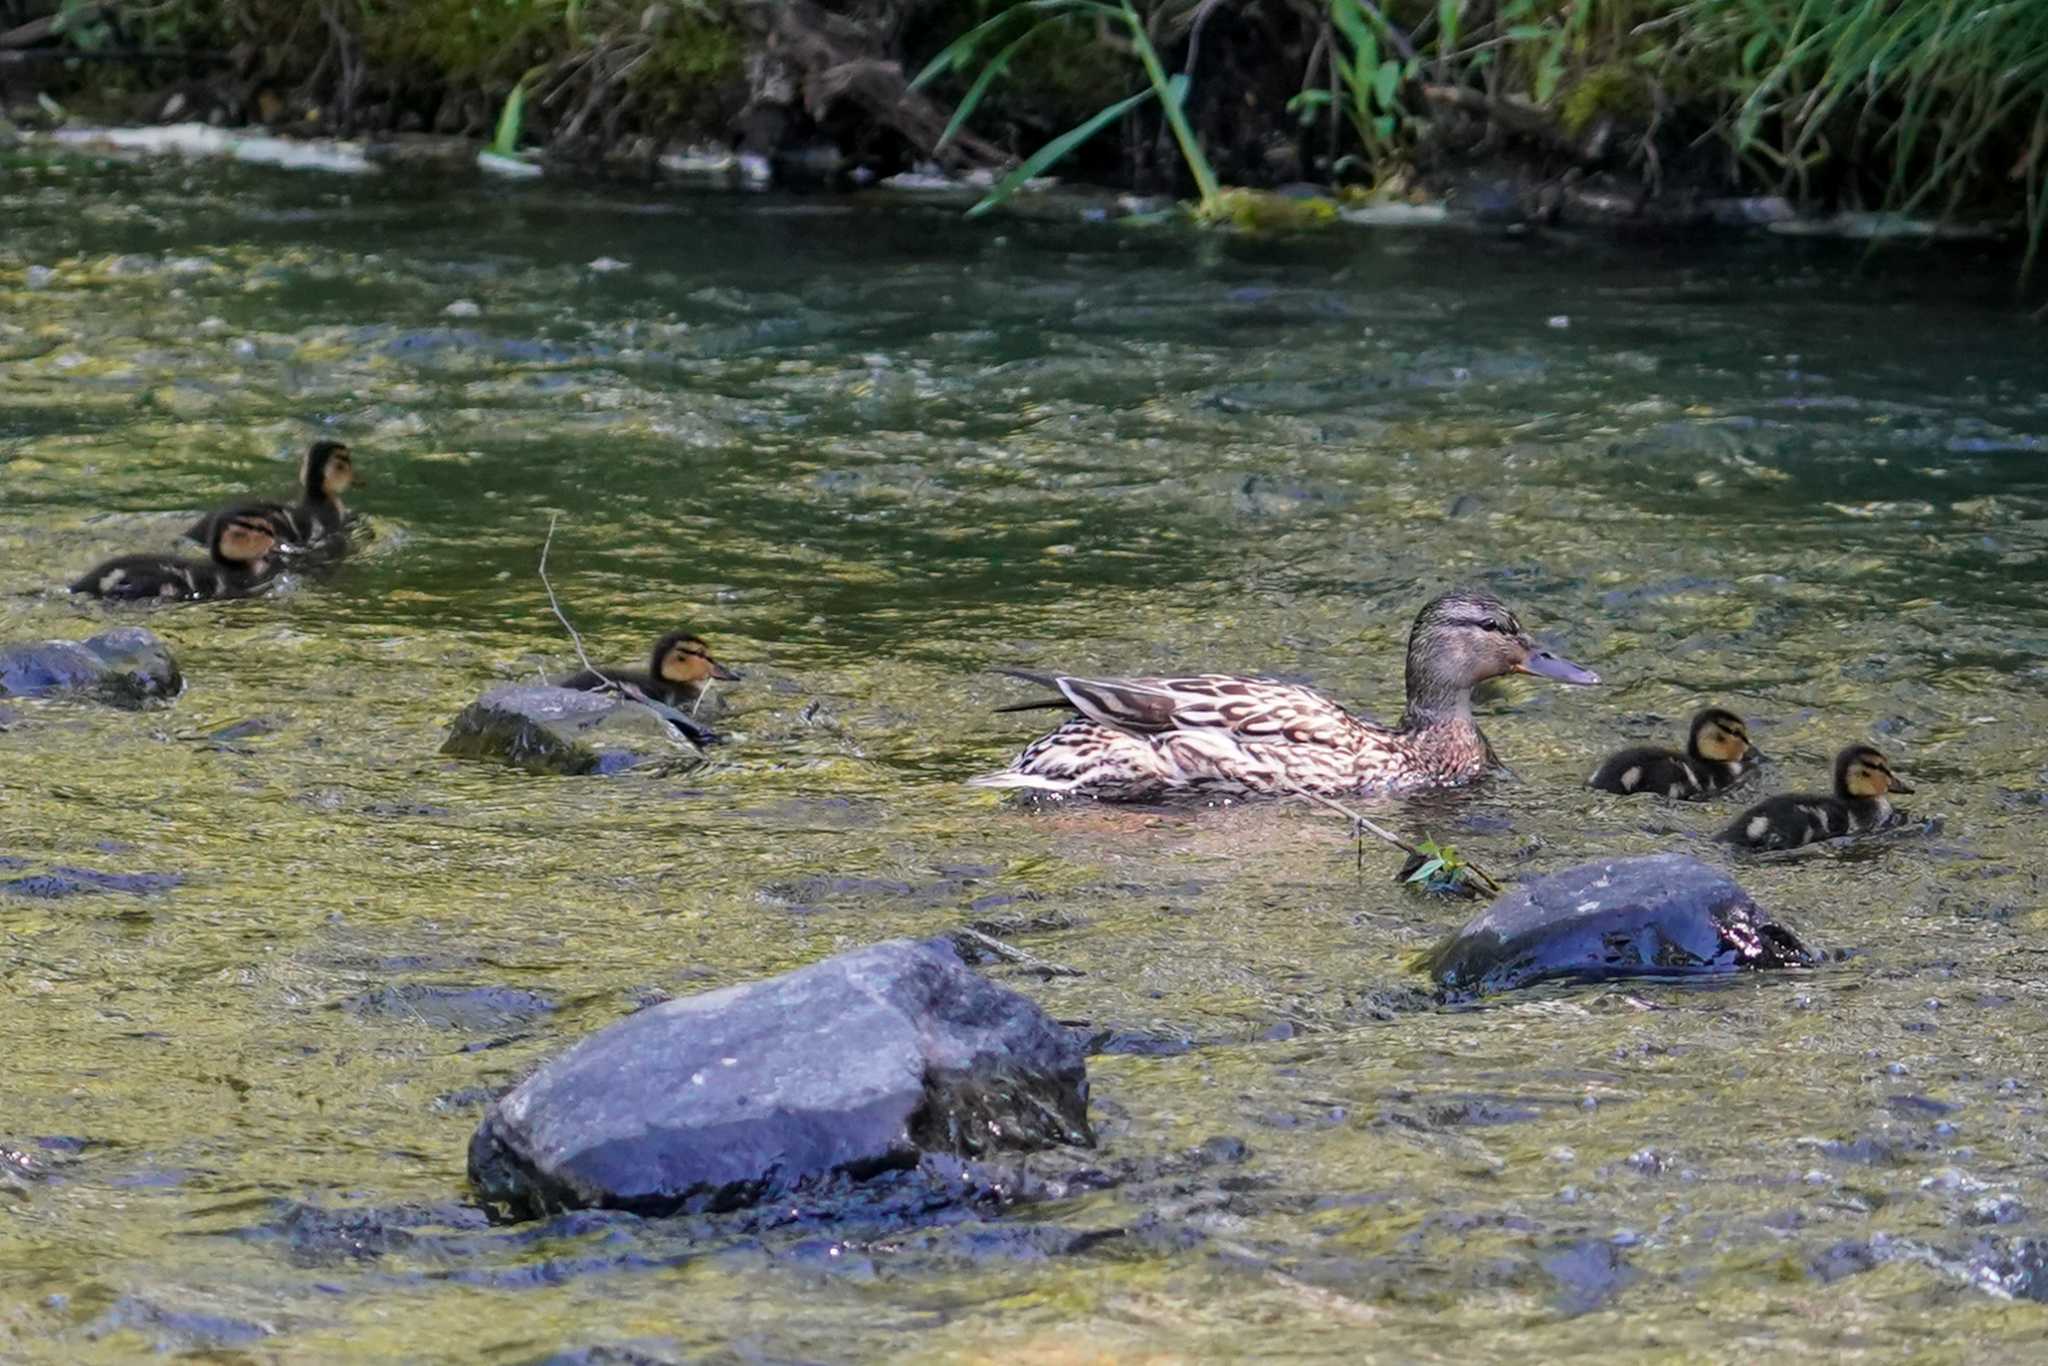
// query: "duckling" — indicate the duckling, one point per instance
point(327, 471)
point(1717, 752)
point(1138, 738)
point(1863, 777)
point(676, 674)
point(241, 546)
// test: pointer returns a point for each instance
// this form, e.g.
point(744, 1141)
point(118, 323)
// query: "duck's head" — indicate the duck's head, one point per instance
point(329, 469)
point(680, 657)
point(1468, 636)
point(1862, 772)
point(242, 539)
point(1720, 736)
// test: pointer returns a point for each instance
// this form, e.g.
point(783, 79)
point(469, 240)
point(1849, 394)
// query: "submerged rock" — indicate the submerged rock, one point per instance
point(1667, 915)
point(560, 730)
point(58, 883)
point(438, 1006)
point(852, 1067)
point(127, 666)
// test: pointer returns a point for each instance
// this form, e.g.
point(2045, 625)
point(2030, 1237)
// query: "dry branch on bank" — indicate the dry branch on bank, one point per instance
point(823, 61)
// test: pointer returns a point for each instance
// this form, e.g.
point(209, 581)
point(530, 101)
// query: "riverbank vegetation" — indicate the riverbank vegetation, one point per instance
point(1924, 107)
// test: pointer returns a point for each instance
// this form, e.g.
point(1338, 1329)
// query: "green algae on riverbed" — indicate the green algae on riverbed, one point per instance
point(867, 453)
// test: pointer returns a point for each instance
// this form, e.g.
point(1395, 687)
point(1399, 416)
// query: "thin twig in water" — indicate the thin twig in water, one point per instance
point(1360, 823)
point(556, 603)
point(692, 730)
point(1313, 1296)
point(1010, 953)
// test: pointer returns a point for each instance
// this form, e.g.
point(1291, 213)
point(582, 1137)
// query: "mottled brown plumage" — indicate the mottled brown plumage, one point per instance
point(1138, 738)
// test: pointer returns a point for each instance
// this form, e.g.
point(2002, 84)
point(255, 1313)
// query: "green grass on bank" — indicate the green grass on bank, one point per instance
point(1933, 107)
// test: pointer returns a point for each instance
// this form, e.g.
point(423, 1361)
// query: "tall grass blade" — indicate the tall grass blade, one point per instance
point(956, 53)
point(510, 120)
point(1176, 118)
point(1056, 149)
point(996, 66)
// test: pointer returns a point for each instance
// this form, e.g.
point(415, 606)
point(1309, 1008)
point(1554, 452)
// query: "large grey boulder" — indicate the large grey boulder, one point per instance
point(561, 730)
point(1668, 915)
point(127, 666)
point(853, 1066)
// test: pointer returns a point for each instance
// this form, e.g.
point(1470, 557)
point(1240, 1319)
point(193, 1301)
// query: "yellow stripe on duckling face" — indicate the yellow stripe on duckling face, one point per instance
point(1864, 773)
point(247, 538)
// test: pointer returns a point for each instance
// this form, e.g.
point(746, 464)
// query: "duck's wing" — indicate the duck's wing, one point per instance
point(1243, 708)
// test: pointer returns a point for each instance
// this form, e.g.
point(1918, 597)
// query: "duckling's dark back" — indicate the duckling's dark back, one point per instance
point(1647, 768)
point(1788, 821)
point(137, 578)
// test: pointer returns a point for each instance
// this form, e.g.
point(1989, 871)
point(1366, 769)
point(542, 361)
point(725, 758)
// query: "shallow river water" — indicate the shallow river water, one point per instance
point(869, 450)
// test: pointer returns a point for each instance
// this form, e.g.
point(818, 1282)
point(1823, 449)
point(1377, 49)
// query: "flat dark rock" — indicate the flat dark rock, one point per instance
point(62, 882)
point(852, 1067)
point(560, 730)
point(127, 666)
point(1668, 915)
point(438, 1006)
point(169, 1330)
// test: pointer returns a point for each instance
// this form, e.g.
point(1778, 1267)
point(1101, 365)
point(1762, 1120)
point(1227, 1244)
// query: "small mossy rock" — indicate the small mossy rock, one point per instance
point(128, 666)
point(562, 730)
point(854, 1066)
point(1668, 915)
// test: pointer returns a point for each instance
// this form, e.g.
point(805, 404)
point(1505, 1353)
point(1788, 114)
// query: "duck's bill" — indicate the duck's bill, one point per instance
point(1547, 665)
point(1895, 785)
point(729, 675)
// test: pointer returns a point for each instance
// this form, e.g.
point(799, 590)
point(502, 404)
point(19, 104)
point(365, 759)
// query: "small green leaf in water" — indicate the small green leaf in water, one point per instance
point(1427, 870)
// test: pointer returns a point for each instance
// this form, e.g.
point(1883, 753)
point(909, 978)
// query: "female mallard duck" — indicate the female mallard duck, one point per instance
point(676, 674)
point(241, 546)
point(1136, 738)
point(1717, 752)
point(327, 471)
point(1863, 777)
